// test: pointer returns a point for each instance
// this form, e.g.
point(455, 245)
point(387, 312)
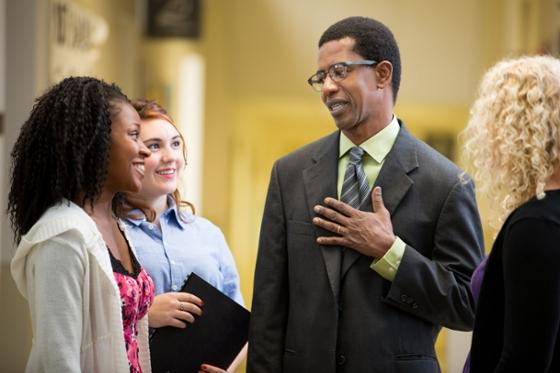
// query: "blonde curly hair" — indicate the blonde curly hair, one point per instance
point(512, 139)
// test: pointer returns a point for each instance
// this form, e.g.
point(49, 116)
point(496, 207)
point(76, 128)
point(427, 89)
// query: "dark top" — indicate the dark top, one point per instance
point(517, 322)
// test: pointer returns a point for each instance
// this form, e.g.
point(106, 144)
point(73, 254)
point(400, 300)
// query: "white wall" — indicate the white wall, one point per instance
point(2, 105)
point(2, 100)
point(26, 34)
point(2, 59)
point(25, 76)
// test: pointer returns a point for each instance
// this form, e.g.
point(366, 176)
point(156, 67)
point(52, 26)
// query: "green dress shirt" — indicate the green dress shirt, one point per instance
point(375, 149)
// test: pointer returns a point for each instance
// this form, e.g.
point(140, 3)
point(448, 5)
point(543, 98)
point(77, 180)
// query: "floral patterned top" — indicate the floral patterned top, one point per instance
point(137, 294)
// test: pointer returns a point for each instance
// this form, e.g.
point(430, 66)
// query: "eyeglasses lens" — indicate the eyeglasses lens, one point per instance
point(338, 71)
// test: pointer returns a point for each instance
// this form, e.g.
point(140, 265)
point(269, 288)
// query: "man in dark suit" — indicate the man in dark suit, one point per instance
point(365, 288)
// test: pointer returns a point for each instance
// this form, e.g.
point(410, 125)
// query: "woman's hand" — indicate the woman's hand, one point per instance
point(205, 368)
point(174, 309)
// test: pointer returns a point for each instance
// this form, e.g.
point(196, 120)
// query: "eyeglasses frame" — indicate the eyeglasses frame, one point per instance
point(327, 72)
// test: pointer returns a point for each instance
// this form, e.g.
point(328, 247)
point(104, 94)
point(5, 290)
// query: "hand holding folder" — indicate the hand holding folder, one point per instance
point(215, 337)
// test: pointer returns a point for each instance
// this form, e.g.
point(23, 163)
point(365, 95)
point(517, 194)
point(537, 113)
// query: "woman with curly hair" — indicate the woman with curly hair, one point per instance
point(87, 294)
point(170, 240)
point(513, 144)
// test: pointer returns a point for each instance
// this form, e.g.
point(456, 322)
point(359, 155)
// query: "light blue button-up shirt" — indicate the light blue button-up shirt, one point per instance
point(186, 243)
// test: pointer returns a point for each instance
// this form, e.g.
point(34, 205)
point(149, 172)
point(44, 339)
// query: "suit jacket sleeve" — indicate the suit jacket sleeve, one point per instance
point(270, 299)
point(434, 285)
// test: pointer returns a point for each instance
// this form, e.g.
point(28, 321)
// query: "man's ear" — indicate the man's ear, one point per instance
point(384, 72)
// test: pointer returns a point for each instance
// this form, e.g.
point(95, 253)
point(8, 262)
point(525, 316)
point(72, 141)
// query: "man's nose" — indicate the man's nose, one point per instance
point(329, 86)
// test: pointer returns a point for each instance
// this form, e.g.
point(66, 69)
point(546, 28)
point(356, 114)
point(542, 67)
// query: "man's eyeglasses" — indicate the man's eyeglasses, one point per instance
point(336, 72)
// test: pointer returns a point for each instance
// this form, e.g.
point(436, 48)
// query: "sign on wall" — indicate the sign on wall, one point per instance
point(76, 37)
point(173, 18)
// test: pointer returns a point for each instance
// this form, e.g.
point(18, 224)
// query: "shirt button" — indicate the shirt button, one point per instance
point(391, 269)
point(175, 287)
point(150, 226)
point(340, 359)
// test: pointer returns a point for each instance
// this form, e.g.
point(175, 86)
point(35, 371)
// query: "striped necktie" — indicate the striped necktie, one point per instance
point(354, 189)
point(355, 186)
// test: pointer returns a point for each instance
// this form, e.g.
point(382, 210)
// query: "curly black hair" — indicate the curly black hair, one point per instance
point(62, 150)
point(373, 41)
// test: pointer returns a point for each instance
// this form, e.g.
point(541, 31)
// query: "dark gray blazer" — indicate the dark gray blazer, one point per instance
point(311, 315)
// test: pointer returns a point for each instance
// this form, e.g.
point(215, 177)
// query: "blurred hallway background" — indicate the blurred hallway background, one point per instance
point(233, 75)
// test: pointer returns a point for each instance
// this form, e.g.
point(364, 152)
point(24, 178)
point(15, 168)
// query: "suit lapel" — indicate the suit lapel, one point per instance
point(320, 182)
point(393, 179)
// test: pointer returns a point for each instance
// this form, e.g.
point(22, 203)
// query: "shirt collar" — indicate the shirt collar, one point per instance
point(377, 146)
point(171, 215)
point(174, 214)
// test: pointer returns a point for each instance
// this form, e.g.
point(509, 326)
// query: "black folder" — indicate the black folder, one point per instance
point(215, 337)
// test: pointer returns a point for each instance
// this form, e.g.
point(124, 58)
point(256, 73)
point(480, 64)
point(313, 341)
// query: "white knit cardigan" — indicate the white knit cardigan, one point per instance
point(63, 269)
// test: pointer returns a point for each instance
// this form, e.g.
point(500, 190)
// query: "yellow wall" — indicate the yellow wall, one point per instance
point(258, 54)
